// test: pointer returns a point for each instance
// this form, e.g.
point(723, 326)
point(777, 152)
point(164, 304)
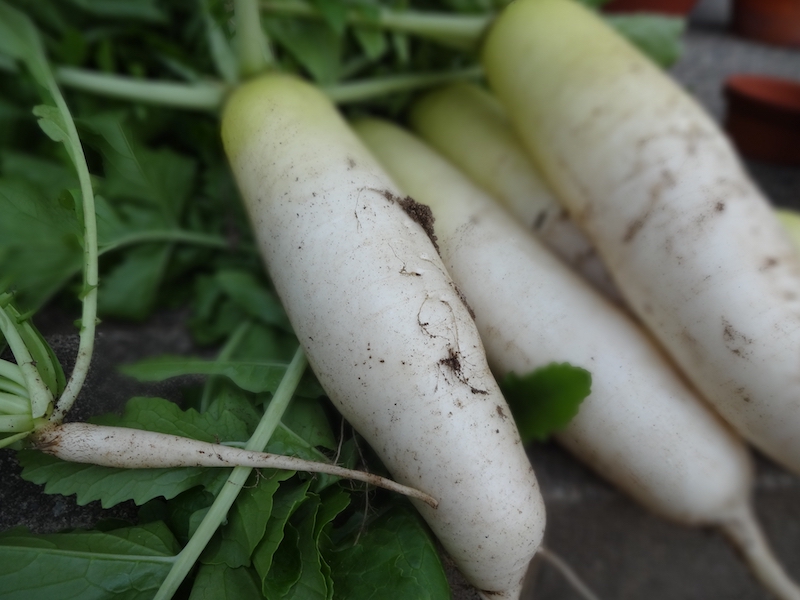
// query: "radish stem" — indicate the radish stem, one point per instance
point(209, 96)
point(251, 43)
point(16, 423)
point(458, 31)
point(190, 96)
point(11, 403)
point(90, 266)
point(219, 509)
point(40, 397)
point(11, 372)
point(363, 90)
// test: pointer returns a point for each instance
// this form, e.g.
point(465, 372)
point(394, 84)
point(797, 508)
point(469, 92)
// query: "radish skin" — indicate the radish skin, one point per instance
point(468, 126)
point(383, 325)
point(640, 427)
point(693, 246)
point(126, 448)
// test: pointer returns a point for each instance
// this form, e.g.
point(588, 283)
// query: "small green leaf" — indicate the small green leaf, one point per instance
point(125, 564)
point(545, 400)
point(20, 40)
point(221, 582)
point(163, 416)
point(394, 558)
point(112, 486)
point(285, 502)
point(312, 43)
point(253, 376)
point(372, 40)
point(129, 291)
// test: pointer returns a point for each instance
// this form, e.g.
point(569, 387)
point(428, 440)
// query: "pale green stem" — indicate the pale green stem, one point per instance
point(15, 423)
point(90, 263)
point(462, 32)
point(372, 88)
point(342, 93)
point(251, 42)
point(14, 405)
point(40, 396)
point(11, 371)
point(12, 387)
point(195, 96)
point(234, 341)
point(7, 441)
point(218, 511)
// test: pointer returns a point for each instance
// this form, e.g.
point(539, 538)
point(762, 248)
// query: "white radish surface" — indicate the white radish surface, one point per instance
point(693, 246)
point(640, 427)
point(383, 325)
point(469, 127)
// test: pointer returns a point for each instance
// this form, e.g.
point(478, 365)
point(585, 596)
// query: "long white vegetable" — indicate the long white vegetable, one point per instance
point(383, 326)
point(640, 427)
point(126, 448)
point(468, 126)
point(693, 246)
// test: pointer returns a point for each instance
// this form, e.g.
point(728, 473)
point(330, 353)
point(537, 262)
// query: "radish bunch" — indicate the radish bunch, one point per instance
point(641, 427)
point(694, 247)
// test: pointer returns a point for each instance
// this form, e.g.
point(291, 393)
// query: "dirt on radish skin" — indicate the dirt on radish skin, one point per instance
point(469, 127)
point(370, 301)
point(670, 452)
point(693, 246)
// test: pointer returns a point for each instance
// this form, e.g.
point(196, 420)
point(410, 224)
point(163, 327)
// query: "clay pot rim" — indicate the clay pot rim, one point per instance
point(774, 94)
point(676, 8)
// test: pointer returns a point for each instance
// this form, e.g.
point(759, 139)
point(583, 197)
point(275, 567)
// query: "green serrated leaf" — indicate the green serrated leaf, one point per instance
point(252, 376)
point(127, 564)
point(545, 400)
point(285, 502)
point(163, 416)
point(247, 521)
point(394, 559)
point(112, 486)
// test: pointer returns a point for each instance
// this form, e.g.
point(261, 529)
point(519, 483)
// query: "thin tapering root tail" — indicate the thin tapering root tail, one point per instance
point(745, 534)
point(126, 448)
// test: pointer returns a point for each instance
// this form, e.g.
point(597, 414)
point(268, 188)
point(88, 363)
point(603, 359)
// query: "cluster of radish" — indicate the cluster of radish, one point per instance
point(662, 220)
point(692, 247)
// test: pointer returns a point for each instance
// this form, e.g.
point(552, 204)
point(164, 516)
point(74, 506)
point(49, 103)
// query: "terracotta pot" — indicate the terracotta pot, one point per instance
point(764, 117)
point(771, 21)
point(668, 7)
